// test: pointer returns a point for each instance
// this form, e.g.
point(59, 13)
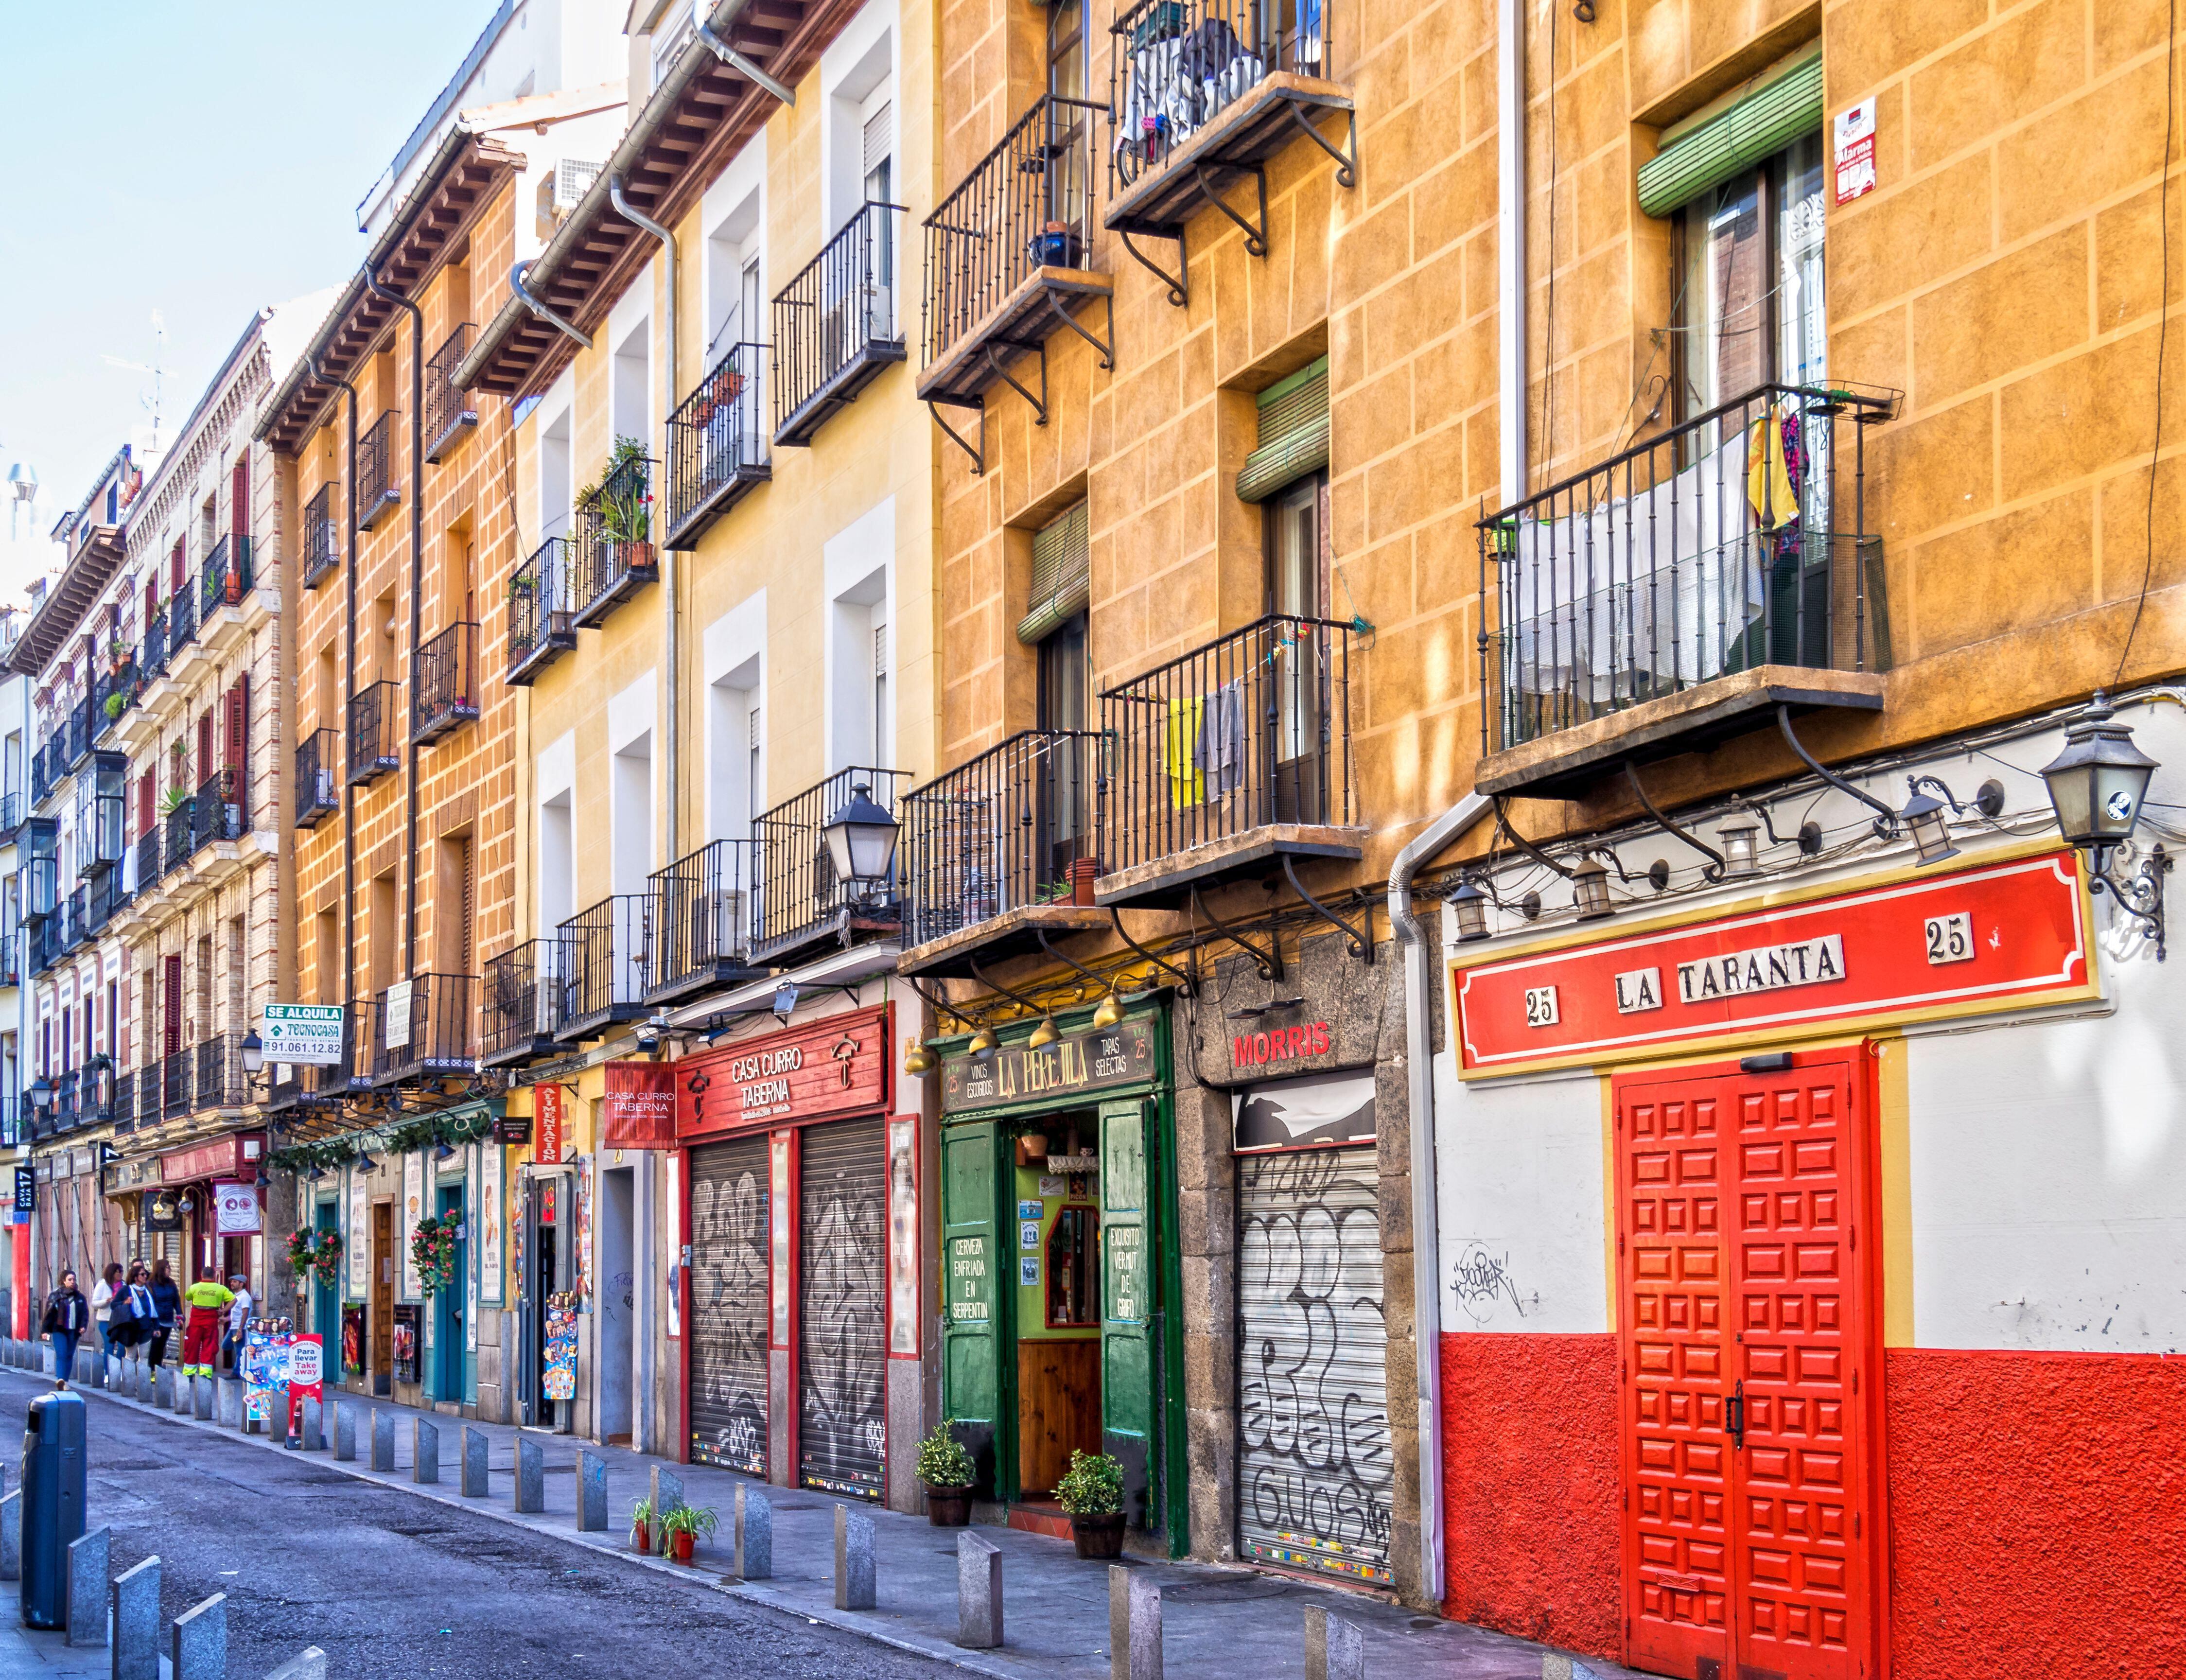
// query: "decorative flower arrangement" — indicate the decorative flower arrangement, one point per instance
point(433, 1248)
point(300, 1255)
point(326, 1258)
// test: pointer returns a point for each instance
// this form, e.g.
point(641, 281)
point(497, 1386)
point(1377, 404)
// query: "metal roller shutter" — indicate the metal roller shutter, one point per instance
point(729, 1304)
point(842, 1306)
point(1315, 1460)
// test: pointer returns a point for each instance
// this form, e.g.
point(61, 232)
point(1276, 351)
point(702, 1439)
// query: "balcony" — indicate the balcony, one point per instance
point(318, 777)
point(125, 1104)
point(1229, 760)
point(220, 1082)
point(110, 894)
point(375, 745)
point(1203, 92)
point(74, 920)
point(717, 445)
point(542, 615)
point(216, 812)
point(361, 1042)
point(1008, 257)
point(1679, 593)
point(999, 855)
point(835, 325)
point(79, 736)
point(106, 687)
point(449, 412)
point(178, 1085)
point(148, 860)
point(701, 922)
point(612, 555)
point(42, 772)
point(224, 583)
point(801, 902)
point(98, 814)
point(318, 540)
point(181, 627)
point(603, 957)
point(174, 855)
point(152, 652)
point(520, 1006)
point(11, 816)
point(379, 488)
point(421, 1029)
point(444, 683)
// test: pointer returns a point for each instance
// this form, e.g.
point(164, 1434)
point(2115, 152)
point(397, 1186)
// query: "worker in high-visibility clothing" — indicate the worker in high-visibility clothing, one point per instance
point(208, 1300)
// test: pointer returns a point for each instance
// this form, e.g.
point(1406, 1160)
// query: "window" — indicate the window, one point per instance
point(1750, 308)
point(1065, 702)
point(678, 30)
point(1066, 49)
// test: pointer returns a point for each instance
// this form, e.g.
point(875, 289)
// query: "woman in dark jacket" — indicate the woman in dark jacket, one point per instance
point(68, 1315)
point(167, 1305)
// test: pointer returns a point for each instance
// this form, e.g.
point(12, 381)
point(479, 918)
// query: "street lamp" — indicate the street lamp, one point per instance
point(41, 1097)
point(2096, 787)
point(1590, 890)
point(1469, 904)
point(253, 1053)
point(860, 838)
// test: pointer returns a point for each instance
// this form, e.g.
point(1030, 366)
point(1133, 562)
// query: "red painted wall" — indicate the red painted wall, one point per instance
point(2037, 1513)
point(1530, 1486)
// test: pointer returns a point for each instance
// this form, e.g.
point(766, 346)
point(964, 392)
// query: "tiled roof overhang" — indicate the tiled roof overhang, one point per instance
point(89, 570)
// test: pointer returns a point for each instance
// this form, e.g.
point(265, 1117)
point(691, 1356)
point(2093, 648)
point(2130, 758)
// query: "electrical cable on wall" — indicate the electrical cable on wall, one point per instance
point(2162, 328)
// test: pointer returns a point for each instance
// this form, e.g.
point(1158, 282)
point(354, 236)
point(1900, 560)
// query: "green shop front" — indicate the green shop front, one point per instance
point(1061, 1327)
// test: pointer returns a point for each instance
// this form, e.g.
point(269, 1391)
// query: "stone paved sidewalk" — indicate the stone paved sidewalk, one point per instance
point(1217, 1621)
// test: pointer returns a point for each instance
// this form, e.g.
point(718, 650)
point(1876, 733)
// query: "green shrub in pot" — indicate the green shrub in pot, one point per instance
point(1093, 1487)
point(944, 1461)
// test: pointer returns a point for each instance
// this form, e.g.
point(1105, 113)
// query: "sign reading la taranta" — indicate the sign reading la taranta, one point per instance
point(1079, 1063)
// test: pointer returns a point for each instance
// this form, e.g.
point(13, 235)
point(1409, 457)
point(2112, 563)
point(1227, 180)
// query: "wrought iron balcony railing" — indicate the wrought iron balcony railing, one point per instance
point(318, 777)
point(125, 1104)
point(612, 553)
point(1734, 540)
point(800, 900)
point(226, 577)
point(42, 772)
point(542, 614)
point(216, 812)
point(12, 808)
point(445, 682)
point(182, 620)
point(717, 450)
point(110, 893)
point(520, 1007)
point(702, 908)
point(1251, 729)
point(152, 651)
point(1011, 828)
point(79, 735)
point(74, 919)
point(219, 1081)
point(318, 541)
point(430, 1038)
point(177, 1082)
point(603, 956)
point(181, 818)
point(105, 686)
point(378, 487)
point(375, 732)
point(148, 859)
point(449, 412)
point(835, 324)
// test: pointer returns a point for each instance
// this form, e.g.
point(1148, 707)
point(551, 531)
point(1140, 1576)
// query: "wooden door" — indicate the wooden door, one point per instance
point(1745, 1325)
point(384, 1262)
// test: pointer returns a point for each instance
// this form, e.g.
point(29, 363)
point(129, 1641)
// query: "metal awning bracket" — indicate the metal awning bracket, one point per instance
point(978, 455)
point(1712, 871)
point(1361, 942)
point(1107, 351)
point(1346, 158)
point(1180, 283)
point(1269, 962)
point(1256, 238)
point(1189, 983)
point(1039, 403)
point(1885, 822)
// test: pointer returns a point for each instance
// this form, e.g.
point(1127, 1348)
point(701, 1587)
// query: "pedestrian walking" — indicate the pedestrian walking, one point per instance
point(207, 1299)
point(68, 1315)
point(129, 1319)
point(238, 1317)
point(102, 1308)
point(167, 1307)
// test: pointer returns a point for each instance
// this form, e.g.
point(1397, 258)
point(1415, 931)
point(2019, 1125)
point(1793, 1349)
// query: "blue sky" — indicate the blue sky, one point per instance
point(200, 158)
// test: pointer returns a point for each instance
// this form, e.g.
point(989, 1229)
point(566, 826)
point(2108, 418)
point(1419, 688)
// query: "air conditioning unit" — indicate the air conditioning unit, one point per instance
point(561, 189)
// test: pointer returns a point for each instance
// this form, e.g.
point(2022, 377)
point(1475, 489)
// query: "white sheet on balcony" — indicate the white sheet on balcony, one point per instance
point(1662, 584)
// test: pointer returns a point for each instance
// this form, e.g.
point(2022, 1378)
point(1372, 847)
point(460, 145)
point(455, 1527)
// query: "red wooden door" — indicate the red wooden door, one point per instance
point(1747, 1546)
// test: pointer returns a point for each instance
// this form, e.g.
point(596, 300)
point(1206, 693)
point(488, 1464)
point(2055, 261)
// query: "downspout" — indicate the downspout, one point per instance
point(417, 608)
point(349, 693)
point(539, 309)
point(1511, 239)
point(1420, 971)
point(671, 710)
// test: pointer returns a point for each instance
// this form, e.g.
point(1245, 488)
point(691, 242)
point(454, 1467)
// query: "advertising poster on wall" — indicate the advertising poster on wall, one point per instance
point(561, 1356)
point(403, 1351)
point(413, 1209)
point(358, 1251)
point(903, 1237)
point(546, 1102)
point(265, 1344)
point(352, 1341)
point(583, 1242)
point(492, 1194)
point(235, 1209)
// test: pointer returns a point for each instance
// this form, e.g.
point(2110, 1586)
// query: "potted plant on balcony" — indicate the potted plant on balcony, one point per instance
point(1055, 246)
point(1091, 1495)
point(946, 1470)
point(683, 1527)
point(625, 509)
point(116, 703)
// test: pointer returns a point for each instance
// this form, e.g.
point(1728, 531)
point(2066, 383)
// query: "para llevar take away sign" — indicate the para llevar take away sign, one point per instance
point(1852, 141)
point(310, 1033)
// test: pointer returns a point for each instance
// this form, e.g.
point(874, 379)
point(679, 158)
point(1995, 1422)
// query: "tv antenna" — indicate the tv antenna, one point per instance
point(155, 368)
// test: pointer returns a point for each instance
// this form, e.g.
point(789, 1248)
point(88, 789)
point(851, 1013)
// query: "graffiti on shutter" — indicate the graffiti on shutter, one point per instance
point(842, 1306)
point(1314, 1462)
point(728, 1304)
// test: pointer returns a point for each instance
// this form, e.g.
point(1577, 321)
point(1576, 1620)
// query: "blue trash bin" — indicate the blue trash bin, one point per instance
point(52, 1504)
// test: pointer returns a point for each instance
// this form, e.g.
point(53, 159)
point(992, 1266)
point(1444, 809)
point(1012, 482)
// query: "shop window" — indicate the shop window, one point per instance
point(1074, 1286)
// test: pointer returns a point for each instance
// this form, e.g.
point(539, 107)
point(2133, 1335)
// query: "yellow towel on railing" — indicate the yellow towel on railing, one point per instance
point(1769, 478)
point(1180, 742)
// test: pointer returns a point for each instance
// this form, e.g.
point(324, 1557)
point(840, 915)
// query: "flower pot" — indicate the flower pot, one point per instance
point(1082, 872)
point(947, 1507)
point(683, 1547)
point(1100, 1536)
point(639, 1539)
point(1058, 249)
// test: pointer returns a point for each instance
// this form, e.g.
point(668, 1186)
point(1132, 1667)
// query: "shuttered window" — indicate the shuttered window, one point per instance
point(1061, 575)
point(1782, 109)
point(1294, 433)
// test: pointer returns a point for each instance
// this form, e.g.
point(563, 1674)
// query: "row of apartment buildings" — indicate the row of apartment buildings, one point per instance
point(1141, 726)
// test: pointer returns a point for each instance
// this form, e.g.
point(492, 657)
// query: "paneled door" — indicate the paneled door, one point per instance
point(1744, 1321)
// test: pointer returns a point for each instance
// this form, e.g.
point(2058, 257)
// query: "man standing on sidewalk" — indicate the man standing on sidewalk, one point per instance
point(207, 1299)
point(238, 1322)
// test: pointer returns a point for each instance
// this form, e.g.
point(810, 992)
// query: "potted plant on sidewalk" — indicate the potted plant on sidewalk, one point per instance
point(945, 1469)
point(641, 1526)
point(683, 1527)
point(1091, 1495)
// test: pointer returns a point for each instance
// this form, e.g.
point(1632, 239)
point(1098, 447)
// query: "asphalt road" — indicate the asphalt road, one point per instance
point(391, 1585)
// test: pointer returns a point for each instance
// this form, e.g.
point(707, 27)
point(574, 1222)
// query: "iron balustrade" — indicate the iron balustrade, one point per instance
point(123, 1104)
point(104, 687)
point(76, 919)
point(834, 324)
point(716, 443)
point(11, 815)
point(448, 410)
point(445, 682)
point(318, 776)
point(360, 1037)
point(1007, 828)
point(64, 1101)
point(377, 487)
point(1251, 729)
point(1026, 206)
point(110, 893)
point(182, 620)
point(216, 812)
point(152, 652)
point(604, 959)
point(799, 896)
point(79, 734)
point(701, 919)
point(220, 1079)
point(520, 1001)
point(181, 815)
point(612, 552)
point(175, 1083)
point(375, 748)
point(148, 859)
point(42, 772)
point(148, 1094)
point(226, 576)
point(542, 611)
point(1176, 65)
point(319, 538)
point(1713, 548)
point(430, 1038)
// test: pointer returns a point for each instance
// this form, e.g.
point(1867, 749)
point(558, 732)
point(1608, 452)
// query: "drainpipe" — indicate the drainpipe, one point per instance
point(1510, 239)
point(671, 711)
point(516, 285)
point(416, 607)
point(1420, 972)
point(349, 692)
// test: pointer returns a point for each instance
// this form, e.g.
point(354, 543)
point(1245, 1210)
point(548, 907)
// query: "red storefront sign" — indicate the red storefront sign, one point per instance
point(639, 1110)
point(837, 1065)
point(1279, 1044)
point(221, 1158)
point(546, 1110)
point(1982, 937)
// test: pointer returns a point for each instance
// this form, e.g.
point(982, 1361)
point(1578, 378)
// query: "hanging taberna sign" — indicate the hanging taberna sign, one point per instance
point(163, 1211)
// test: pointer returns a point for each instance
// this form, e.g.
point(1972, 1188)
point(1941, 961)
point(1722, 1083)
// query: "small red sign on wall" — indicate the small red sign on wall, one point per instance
point(546, 1109)
point(836, 1065)
point(1986, 937)
point(638, 1111)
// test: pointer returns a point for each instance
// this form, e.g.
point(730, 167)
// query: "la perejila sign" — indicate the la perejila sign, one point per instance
point(1986, 937)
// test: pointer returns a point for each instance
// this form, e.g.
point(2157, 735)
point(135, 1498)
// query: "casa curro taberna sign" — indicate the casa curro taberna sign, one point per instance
point(2002, 935)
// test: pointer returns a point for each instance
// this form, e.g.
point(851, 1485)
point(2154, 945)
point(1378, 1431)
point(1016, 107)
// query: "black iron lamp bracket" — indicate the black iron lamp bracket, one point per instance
point(2140, 895)
point(1039, 934)
point(1540, 857)
point(1711, 871)
point(1360, 939)
point(1188, 982)
point(994, 985)
point(1178, 283)
point(1886, 822)
point(1269, 962)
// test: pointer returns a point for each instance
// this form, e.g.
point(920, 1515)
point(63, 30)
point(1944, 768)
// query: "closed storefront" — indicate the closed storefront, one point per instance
point(729, 1200)
point(842, 1318)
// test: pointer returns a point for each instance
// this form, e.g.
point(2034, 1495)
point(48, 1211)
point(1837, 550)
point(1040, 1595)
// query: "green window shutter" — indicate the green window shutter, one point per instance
point(1294, 433)
point(1061, 575)
point(1764, 122)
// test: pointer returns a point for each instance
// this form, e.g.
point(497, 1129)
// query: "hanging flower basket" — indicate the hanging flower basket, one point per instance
point(326, 1258)
point(433, 1250)
point(300, 1255)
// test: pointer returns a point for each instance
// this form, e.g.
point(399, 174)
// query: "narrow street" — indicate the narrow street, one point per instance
point(391, 1585)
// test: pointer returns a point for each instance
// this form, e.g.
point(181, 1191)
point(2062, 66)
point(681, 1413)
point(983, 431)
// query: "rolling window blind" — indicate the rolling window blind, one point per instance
point(1061, 575)
point(1765, 121)
point(1294, 433)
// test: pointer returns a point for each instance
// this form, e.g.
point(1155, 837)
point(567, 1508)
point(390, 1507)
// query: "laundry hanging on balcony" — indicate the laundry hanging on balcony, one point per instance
point(1181, 75)
point(1203, 748)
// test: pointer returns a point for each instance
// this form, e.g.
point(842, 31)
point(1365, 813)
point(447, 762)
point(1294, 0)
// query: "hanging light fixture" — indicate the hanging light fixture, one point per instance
point(1590, 891)
point(1044, 1034)
point(917, 1059)
point(1107, 1012)
point(861, 839)
point(1740, 840)
point(983, 1044)
point(2096, 784)
point(1927, 819)
point(254, 1053)
point(1468, 905)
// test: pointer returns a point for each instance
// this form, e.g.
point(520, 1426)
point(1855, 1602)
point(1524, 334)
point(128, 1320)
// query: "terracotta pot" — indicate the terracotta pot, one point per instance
point(683, 1548)
point(1101, 1536)
point(639, 1539)
point(1082, 872)
point(947, 1507)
